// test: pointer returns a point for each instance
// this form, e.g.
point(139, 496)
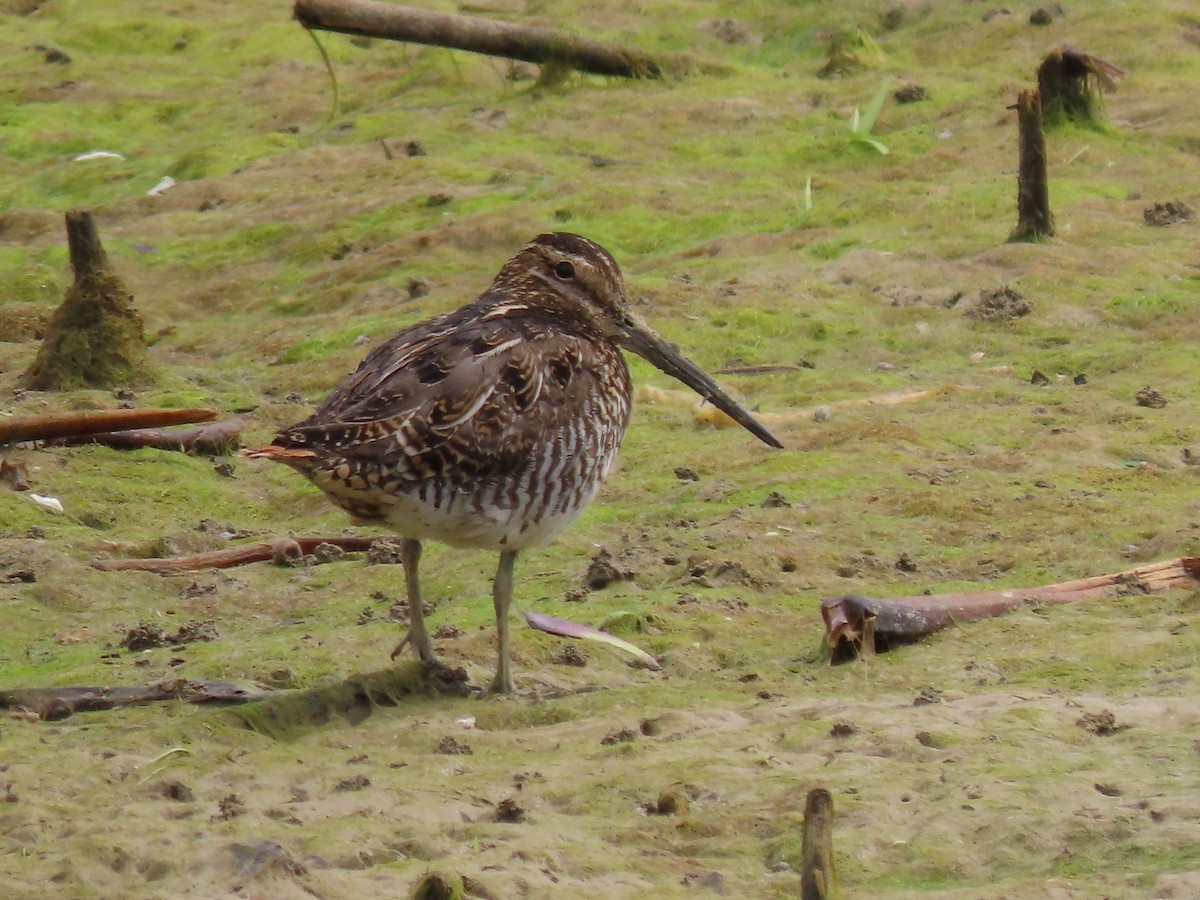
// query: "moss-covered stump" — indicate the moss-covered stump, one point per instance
point(95, 338)
point(1070, 84)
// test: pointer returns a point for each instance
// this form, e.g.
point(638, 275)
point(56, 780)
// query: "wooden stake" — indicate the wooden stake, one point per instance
point(817, 881)
point(530, 44)
point(1034, 220)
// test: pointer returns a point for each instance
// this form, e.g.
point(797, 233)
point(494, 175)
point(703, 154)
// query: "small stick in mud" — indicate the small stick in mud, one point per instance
point(72, 425)
point(278, 551)
point(215, 439)
point(817, 881)
point(543, 46)
point(859, 626)
point(1034, 219)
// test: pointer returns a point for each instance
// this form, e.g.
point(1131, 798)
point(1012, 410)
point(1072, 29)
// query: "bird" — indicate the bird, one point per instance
point(492, 426)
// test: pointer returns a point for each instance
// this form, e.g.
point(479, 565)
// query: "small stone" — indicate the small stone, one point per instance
point(822, 414)
point(927, 697)
point(1038, 378)
point(36, 533)
point(225, 468)
point(1080, 379)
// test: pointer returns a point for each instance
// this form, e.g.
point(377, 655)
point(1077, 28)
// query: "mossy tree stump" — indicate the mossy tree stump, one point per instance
point(1034, 219)
point(1070, 83)
point(95, 338)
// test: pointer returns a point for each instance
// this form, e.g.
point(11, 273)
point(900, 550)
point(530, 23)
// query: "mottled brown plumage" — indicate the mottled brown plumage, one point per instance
point(492, 426)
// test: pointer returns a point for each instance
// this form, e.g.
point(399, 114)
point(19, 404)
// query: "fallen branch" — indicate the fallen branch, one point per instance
point(543, 46)
point(215, 439)
point(50, 704)
point(76, 424)
point(279, 551)
point(283, 713)
point(859, 626)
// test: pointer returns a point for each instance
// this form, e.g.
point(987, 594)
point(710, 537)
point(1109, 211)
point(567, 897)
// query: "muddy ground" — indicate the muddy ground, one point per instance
point(866, 305)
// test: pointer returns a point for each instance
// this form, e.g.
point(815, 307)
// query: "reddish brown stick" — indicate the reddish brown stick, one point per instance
point(74, 424)
point(849, 619)
point(276, 550)
point(214, 439)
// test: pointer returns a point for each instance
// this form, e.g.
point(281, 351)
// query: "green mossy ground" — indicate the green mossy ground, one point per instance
point(289, 234)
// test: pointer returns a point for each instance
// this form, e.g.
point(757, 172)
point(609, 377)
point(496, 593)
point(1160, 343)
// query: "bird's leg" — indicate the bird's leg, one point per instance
point(502, 589)
point(410, 555)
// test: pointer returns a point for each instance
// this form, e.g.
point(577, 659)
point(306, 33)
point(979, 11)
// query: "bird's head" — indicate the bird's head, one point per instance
point(577, 282)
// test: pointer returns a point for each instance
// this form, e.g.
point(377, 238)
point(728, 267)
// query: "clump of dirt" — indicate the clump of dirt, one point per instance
point(147, 635)
point(229, 807)
point(385, 552)
point(1102, 724)
point(602, 571)
point(1044, 15)
point(570, 655)
point(14, 475)
point(144, 636)
point(450, 746)
point(1173, 212)
point(620, 736)
point(671, 802)
point(775, 500)
point(1150, 398)
point(715, 573)
point(843, 729)
point(508, 810)
point(356, 783)
point(999, 305)
point(910, 93)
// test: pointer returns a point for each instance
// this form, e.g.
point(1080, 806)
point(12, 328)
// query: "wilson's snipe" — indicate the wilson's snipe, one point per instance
point(491, 426)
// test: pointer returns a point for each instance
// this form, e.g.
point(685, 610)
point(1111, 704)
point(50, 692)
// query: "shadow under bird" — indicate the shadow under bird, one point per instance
point(493, 426)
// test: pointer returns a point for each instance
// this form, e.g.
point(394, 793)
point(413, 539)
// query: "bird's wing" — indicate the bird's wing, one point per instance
point(459, 399)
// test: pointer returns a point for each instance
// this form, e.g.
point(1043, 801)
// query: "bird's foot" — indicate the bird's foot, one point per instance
point(422, 648)
point(501, 684)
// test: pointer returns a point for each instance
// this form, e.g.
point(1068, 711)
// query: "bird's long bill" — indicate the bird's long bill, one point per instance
point(641, 339)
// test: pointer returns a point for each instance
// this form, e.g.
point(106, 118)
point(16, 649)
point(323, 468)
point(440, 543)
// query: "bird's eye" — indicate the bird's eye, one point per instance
point(565, 271)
